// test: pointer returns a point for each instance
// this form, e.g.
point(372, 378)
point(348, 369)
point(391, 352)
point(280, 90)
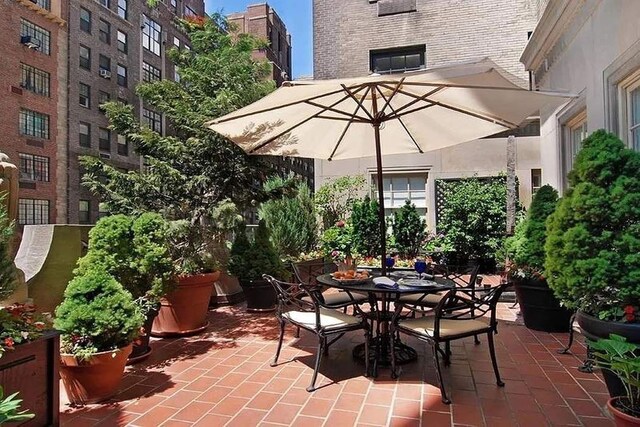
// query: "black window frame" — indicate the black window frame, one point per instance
point(35, 80)
point(151, 35)
point(27, 209)
point(104, 63)
point(84, 216)
point(84, 140)
point(123, 9)
point(34, 167)
point(84, 62)
point(150, 73)
point(28, 120)
point(104, 34)
point(85, 25)
point(42, 35)
point(84, 92)
point(152, 119)
point(123, 46)
point(122, 79)
point(397, 52)
point(104, 144)
point(122, 147)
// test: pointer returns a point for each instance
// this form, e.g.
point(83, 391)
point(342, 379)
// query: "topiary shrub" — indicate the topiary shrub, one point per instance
point(250, 260)
point(593, 237)
point(97, 314)
point(366, 227)
point(409, 230)
point(7, 268)
point(291, 220)
point(135, 251)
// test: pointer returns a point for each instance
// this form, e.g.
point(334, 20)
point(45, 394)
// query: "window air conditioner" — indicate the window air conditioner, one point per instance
point(105, 74)
point(30, 42)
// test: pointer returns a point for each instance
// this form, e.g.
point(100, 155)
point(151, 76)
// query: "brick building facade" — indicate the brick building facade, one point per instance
point(113, 46)
point(33, 88)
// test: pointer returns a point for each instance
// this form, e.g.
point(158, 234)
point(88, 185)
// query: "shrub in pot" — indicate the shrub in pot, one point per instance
point(249, 261)
point(366, 227)
point(540, 309)
point(592, 253)
point(409, 230)
point(337, 242)
point(620, 357)
point(135, 251)
point(99, 320)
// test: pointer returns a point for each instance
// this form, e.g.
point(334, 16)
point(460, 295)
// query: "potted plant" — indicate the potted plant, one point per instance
point(541, 310)
point(135, 251)
point(249, 261)
point(99, 320)
point(593, 241)
point(29, 361)
point(409, 230)
point(621, 358)
point(337, 243)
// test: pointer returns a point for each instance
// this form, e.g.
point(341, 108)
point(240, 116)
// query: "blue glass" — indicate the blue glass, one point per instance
point(390, 261)
point(420, 266)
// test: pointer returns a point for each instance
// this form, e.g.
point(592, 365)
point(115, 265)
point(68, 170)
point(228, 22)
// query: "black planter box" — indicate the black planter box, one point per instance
point(260, 295)
point(540, 309)
point(33, 370)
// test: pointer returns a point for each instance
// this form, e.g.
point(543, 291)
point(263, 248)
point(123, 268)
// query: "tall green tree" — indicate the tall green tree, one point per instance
point(7, 268)
point(366, 227)
point(190, 171)
point(535, 231)
point(335, 198)
point(409, 230)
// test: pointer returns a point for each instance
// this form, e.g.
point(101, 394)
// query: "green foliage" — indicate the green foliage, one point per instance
point(366, 227)
point(474, 216)
point(250, 260)
point(97, 314)
point(512, 247)
point(291, 220)
point(409, 230)
point(593, 237)
point(7, 269)
point(531, 252)
point(337, 241)
point(621, 357)
point(335, 198)
point(190, 174)
point(135, 251)
point(10, 409)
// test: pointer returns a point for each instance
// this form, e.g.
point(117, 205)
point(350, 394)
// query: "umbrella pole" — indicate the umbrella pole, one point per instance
point(383, 225)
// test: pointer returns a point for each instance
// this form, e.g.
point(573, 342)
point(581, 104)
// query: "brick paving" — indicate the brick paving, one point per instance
point(223, 377)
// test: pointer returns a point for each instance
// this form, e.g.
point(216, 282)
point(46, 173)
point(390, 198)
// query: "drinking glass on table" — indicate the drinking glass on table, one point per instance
point(420, 267)
point(390, 261)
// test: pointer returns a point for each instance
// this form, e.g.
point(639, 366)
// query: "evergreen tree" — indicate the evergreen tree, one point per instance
point(366, 227)
point(409, 230)
point(7, 268)
point(531, 252)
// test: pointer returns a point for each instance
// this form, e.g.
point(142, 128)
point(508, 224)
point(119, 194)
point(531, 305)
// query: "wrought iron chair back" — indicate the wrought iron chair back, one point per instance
point(457, 273)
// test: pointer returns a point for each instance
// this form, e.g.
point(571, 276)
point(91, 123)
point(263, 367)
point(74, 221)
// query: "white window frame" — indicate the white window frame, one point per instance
point(151, 35)
point(409, 173)
point(625, 89)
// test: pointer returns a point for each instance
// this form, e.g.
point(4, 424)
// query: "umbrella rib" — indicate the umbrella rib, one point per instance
point(273, 138)
point(395, 91)
point(289, 104)
point(314, 104)
point(387, 102)
point(346, 128)
point(417, 98)
point(351, 94)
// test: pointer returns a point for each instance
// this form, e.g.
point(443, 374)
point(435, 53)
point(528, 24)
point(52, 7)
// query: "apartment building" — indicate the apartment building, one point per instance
point(359, 37)
point(33, 100)
point(113, 45)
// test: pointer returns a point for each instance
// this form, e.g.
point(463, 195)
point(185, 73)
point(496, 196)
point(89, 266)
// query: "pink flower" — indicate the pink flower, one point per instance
point(340, 224)
point(8, 342)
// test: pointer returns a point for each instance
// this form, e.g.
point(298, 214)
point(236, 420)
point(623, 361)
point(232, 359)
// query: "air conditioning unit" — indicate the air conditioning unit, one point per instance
point(105, 155)
point(30, 42)
point(105, 74)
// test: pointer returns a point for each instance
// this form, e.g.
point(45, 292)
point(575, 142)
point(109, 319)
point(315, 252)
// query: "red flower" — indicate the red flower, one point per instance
point(340, 224)
point(629, 313)
point(8, 342)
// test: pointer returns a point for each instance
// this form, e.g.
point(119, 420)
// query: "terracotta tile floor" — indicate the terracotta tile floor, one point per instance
point(223, 377)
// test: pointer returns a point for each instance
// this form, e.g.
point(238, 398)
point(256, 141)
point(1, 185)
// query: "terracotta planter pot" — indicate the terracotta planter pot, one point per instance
point(93, 380)
point(184, 311)
point(541, 310)
point(622, 419)
point(141, 348)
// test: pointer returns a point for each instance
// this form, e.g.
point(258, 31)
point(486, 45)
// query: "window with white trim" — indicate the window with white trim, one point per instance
point(400, 187)
point(574, 131)
point(630, 111)
point(151, 35)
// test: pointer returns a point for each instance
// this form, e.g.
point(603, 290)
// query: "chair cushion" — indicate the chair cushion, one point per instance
point(339, 298)
point(329, 319)
point(430, 299)
point(448, 327)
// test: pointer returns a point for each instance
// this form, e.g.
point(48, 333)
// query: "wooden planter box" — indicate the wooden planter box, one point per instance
point(33, 370)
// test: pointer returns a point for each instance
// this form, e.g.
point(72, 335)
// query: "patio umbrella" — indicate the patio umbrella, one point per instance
point(377, 115)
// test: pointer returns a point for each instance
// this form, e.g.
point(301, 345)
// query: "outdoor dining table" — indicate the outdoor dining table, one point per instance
point(380, 300)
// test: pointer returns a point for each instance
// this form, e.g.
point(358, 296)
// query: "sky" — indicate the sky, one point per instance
point(296, 15)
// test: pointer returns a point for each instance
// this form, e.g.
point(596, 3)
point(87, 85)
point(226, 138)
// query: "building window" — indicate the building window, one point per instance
point(85, 57)
point(33, 211)
point(123, 9)
point(35, 80)
point(106, 3)
point(122, 75)
point(150, 73)
point(104, 63)
point(123, 145)
point(398, 188)
point(34, 124)
point(102, 98)
point(102, 210)
point(151, 35)
point(84, 212)
point(105, 32)
point(152, 119)
point(189, 13)
point(85, 20)
point(536, 180)
point(122, 42)
point(176, 42)
point(176, 72)
point(37, 34)
point(398, 60)
point(34, 168)
point(84, 95)
point(174, 4)
point(85, 134)
point(45, 4)
point(630, 114)
point(104, 138)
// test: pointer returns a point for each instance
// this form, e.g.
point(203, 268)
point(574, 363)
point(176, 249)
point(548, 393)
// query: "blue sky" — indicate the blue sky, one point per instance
point(296, 15)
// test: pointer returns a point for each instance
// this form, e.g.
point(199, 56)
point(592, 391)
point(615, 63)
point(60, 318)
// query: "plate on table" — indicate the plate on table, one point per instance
point(421, 283)
point(351, 277)
point(404, 274)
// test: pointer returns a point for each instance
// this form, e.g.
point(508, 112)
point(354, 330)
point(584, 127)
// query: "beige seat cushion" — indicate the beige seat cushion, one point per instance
point(430, 299)
point(448, 327)
point(329, 319)
point(339, 298)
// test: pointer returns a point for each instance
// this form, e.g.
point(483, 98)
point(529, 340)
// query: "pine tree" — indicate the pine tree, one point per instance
point(409, 230)
point(366, 227)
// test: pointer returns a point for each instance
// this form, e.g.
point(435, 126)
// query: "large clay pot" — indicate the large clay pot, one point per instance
point(141, 348)
point(184, 310)
point(540, 309)
point(594, 328)
point(260, 295)
point(622, 419)
point(93, 380)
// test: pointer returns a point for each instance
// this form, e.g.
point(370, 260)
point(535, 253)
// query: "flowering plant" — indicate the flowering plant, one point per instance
point(337, 241)
point(19, 323)
point(436, 243)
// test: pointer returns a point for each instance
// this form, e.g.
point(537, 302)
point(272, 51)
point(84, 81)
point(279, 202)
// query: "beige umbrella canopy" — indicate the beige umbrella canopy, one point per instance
point(412, 112)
